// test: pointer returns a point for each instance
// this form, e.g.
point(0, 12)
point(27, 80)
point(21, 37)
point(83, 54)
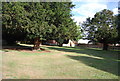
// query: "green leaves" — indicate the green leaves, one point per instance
point(43, 20)
point(102, 27)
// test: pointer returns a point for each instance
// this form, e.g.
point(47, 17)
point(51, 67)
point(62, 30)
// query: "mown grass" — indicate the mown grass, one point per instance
point(0, 65)
point(61, 62)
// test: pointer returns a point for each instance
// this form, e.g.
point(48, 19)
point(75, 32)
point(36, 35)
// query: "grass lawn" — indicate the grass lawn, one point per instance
point(60, 63)
point(0, 65)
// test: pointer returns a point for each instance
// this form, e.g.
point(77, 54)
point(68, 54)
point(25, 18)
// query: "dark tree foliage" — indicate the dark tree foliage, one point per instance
point(13, 22)
point(38, 21)
point(118, 27)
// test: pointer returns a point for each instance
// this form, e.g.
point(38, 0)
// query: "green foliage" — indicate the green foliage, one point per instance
point(14, 21)
point(38, 19)
point(118, 26)
point(102, 27)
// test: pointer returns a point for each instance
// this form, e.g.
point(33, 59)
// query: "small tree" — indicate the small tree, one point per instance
point(101, 28)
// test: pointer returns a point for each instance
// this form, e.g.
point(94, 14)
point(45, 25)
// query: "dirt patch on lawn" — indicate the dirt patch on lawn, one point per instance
point(35, 51)
point(26, 51)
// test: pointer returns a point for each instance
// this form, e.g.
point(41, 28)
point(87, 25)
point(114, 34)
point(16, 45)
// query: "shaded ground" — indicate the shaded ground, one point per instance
point(23, 47)
point(18, 47)
point(60, 62)
point(99, 59)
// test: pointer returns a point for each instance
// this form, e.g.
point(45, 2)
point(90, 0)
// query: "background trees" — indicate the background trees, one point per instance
point(37, 21)
point(118, 27)
point(102, 28)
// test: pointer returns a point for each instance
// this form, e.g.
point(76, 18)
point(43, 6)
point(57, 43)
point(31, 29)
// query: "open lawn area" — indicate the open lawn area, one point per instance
point(60, 63)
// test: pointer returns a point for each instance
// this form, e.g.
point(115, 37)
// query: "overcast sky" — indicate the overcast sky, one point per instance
point(87, 8)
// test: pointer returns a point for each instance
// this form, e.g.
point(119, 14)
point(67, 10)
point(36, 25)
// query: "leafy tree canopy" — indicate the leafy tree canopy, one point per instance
point(101, 28)
point(38, 20)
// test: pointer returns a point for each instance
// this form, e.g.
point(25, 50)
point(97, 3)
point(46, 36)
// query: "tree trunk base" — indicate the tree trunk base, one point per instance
point(105, 46)
point(36, 43)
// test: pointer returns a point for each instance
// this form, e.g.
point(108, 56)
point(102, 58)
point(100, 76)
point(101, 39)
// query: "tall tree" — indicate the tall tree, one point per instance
point(101, 28)
point(38, 25)
point(38, 21)
point(118, 26)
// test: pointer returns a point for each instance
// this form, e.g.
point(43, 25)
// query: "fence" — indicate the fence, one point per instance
point(98, 46)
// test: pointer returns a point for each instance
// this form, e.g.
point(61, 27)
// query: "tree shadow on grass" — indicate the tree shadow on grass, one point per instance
point(17, 47)
point(108, 63)
point(89, 51)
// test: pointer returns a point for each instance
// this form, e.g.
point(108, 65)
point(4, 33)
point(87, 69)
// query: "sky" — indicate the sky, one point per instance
point(87, 8)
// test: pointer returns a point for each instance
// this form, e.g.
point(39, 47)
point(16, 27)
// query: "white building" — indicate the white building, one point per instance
point(69, 44)
point(82, 41)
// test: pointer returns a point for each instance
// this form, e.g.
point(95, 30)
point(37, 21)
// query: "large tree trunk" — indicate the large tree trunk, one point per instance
point(105, 46)
point(36, 43)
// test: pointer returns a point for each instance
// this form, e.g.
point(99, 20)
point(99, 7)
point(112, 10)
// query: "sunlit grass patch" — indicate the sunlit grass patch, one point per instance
point(61, 62)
